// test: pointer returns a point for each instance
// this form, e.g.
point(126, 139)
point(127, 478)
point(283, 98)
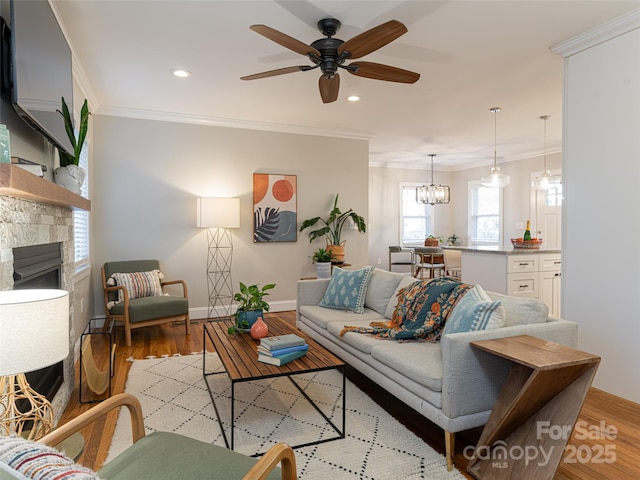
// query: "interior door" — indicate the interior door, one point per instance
point(548, 214)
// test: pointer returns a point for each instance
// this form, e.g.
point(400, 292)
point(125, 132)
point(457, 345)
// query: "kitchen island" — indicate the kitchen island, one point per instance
point(510, 271)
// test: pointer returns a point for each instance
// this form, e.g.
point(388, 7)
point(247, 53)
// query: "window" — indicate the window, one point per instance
point(81, 217)
point(417, 218)
point(553, 196)
point(485, 219)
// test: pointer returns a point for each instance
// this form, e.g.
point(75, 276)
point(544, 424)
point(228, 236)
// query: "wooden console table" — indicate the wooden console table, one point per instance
point(536, 410)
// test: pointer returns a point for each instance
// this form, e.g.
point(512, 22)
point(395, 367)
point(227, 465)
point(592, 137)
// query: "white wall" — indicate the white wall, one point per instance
point(146, 176)
point(601, 258)
point(384, 201)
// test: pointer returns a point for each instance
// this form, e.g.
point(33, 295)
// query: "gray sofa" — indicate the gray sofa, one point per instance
point(450, 383)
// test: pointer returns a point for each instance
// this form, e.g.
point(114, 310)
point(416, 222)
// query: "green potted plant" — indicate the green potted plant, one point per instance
point(331, 228)
point(69, 175)
point(251, 305)
point(454, 240)
point(323, 258)
point(432, 241)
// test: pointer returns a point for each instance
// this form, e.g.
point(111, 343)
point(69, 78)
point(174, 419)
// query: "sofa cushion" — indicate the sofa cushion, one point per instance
point(321, 316)
point(347, 289)
point(364, 343)
point(474, 311)
point(405, 281)
point(382, 285)
point(150, 308)
point(421, 361)
point(521, 311)
point(24, 459)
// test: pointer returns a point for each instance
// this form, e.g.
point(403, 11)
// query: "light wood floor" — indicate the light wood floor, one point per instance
point(589, 454)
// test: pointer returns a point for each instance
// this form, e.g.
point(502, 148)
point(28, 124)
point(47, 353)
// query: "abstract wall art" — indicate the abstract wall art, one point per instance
point(274, 208)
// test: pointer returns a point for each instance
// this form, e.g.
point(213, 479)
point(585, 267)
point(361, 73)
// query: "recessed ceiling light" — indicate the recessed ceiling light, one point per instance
point(181, 73)
point(353, 98)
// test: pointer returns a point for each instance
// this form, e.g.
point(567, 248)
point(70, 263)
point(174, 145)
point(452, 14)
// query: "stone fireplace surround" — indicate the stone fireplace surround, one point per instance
point(25, 223)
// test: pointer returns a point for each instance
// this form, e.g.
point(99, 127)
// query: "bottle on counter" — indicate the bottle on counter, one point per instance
point(527, 232)
point(5, 149)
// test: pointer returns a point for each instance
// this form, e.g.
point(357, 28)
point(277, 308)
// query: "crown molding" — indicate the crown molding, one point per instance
point(228, 122)
point(600, 34)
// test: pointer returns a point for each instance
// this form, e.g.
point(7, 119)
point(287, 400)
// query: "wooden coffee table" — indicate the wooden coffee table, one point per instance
point(239, 356)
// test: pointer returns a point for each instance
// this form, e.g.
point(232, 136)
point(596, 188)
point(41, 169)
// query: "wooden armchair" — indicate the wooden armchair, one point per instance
point(161, 455)
point(143, 304)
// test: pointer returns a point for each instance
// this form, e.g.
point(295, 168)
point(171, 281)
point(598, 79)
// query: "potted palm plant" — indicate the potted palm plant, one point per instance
point(331, 228)
point(323, 258)
point(251, 305)
point(69, 175)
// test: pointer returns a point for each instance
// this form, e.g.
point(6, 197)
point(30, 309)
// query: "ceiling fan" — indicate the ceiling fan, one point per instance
point(329, 54)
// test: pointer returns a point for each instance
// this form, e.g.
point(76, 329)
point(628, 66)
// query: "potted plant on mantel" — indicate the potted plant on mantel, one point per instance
point(332, 229)
point(323, 258)
point(69, 175)
point(251, 305)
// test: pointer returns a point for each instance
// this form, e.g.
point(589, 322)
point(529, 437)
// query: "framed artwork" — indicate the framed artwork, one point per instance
point(275, 216)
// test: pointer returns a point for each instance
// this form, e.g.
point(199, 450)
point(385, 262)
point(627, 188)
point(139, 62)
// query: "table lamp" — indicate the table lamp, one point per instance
point(34, 333)
point(218, 215)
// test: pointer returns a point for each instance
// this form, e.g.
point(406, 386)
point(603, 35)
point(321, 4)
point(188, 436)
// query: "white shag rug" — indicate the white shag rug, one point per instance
point(174, 398)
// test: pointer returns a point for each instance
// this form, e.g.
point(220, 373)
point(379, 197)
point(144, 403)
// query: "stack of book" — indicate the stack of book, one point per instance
point(281, 349)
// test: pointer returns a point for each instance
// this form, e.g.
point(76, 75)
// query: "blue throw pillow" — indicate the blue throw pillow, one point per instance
point(475, 311)
point(347, 289)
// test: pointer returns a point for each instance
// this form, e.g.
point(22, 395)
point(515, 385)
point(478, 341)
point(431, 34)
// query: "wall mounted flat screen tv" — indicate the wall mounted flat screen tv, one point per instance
point(41, 69)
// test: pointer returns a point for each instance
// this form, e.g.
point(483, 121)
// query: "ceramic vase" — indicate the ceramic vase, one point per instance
point(259, 329)
point(323, 269)
point(70, 177)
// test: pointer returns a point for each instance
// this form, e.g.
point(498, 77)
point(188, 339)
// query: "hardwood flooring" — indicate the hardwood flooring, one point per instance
point(589, 457)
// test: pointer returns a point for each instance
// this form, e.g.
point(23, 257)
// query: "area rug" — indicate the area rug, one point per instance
point(174, 398)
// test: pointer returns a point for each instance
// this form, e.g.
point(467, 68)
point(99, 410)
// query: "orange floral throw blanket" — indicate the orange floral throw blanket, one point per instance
point(422, 310)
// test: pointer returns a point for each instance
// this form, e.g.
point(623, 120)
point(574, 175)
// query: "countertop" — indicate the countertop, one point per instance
point(503, 249)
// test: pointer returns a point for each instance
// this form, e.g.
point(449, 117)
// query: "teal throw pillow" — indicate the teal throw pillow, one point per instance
point(475, 311)
point(347, 289)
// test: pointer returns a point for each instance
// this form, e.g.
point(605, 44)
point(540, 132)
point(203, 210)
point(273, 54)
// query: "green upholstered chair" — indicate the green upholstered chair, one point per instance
point(144, 310)
point(160, 455)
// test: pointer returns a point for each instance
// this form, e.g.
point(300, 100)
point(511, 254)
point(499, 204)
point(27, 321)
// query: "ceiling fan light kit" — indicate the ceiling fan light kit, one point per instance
point(495, 179)
point(433, 194)
point(330, 54)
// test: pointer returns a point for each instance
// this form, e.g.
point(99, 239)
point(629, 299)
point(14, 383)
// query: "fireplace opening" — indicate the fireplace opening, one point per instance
point(40, 266)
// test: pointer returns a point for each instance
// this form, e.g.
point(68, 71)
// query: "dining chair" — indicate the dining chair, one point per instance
point(453, 263)
point(430, 259)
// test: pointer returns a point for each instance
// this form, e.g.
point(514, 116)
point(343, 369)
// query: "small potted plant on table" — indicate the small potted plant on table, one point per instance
point(251, 305)
point(323, 258)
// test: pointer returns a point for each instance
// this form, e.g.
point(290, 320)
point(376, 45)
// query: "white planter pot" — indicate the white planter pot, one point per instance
point(323, 269)
point(70, 177)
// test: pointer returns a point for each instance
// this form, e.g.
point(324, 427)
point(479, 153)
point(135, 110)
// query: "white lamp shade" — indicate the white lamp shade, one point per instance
point(34, 329)
point(218, 212)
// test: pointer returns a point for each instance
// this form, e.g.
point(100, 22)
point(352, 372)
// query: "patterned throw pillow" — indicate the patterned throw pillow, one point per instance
point(29, 460)
point(475, 311)
point(138, 284)
point(347, 289)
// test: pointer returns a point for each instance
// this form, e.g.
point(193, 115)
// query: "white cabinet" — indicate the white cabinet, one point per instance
point(549, 281)
point(525, 274)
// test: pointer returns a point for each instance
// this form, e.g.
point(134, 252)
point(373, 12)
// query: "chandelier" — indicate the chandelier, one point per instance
point(433, 194)
point(495, 179)
point(546, 181)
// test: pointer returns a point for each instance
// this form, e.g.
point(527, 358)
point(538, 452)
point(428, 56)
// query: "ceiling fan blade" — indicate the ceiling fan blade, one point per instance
point(373, 39)
point(329, 88)
point(285, 40)
point(378, 71)
point(273, 73)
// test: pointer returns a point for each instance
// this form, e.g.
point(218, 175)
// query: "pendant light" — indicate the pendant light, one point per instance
point(432, 194)
point(546, 181)
point(495, 179)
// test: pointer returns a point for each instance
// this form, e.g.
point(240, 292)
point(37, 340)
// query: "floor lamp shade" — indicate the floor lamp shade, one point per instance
point(34, 329)
point(218, 212)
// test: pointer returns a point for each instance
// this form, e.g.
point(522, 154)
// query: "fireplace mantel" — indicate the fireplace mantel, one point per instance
point(16, 182)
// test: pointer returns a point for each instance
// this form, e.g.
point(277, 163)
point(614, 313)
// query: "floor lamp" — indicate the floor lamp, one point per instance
point(34, 333)
point(218, 215)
